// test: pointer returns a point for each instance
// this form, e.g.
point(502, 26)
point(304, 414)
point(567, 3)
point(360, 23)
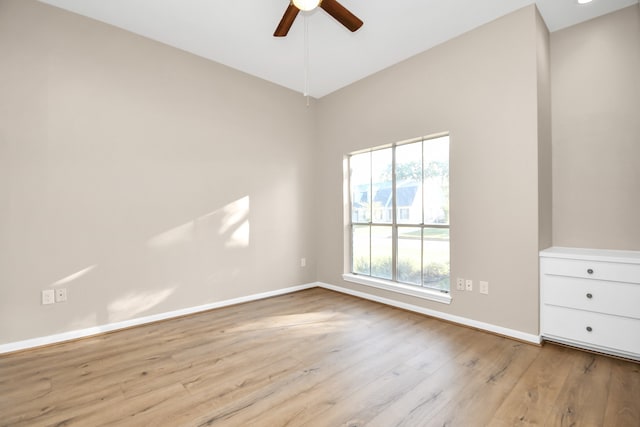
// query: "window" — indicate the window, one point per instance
point(399, 211)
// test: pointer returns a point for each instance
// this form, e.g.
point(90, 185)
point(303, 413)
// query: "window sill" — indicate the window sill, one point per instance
point(387, 285)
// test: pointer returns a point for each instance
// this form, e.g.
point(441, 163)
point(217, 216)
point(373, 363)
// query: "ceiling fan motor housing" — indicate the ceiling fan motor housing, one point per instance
point(332, 7)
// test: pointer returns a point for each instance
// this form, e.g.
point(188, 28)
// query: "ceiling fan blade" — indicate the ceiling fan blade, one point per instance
point(341, 14)
point(287, 21)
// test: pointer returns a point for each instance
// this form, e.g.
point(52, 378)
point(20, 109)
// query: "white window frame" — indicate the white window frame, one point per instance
point(375, 282)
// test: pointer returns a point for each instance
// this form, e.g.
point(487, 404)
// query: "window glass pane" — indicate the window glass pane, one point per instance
point(409, 255)
point(436, 181)
point(407, 245)
point(360, 180)
point(382, 181)
point(360, 239)
point(381, 250)
point(409, 183)
point(435, 255)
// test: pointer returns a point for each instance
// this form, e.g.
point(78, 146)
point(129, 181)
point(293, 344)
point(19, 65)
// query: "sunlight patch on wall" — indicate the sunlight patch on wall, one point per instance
point(180, 234)
point(231, 223)
point(74, 276)
point(234, 213)
point(83, 322)
point(135, 303)
point(235, 223)
point(240, 236)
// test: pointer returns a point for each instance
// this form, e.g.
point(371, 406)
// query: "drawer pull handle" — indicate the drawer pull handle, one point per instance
point(590, 271)
point(589, 296)
point(589, 329)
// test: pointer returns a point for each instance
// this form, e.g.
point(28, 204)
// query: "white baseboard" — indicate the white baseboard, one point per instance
point(82, 333)
point(522, 336)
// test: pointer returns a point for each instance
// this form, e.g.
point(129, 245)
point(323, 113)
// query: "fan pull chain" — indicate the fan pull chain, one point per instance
point(306, 58)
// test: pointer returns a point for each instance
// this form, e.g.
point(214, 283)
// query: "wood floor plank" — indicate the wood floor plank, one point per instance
point(623, 406)
point(36, 412)
point(493, 384)
point(537, 389)
point(330, 366)
point(583, 398)
point(313, 358)
point(442, 388)
point(360, 376)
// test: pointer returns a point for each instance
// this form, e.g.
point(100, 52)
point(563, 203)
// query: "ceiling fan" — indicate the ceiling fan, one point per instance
point(332, 7)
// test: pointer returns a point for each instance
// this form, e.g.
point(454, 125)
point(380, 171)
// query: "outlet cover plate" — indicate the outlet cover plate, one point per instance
point(484, 287)
point(48, 297)
point(61, 294)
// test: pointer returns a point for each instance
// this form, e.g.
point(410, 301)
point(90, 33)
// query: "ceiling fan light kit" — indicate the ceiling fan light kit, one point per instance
point(306, 5)
point(332, 7)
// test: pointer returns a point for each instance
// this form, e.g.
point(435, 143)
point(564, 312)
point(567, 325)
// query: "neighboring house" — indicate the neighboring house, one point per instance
point(409, 206)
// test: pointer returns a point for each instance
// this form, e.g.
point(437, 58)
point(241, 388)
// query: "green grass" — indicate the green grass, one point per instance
point(434, 247)
point(429, 233)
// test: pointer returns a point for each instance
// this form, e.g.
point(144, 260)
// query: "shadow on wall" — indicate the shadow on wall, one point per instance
point(181, 257)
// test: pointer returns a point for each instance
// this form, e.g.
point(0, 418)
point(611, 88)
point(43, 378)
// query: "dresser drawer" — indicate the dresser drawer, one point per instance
point(599, 270)
point(622, 299)
point(607, 332)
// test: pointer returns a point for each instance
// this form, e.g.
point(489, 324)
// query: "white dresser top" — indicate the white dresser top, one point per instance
point(610, 255)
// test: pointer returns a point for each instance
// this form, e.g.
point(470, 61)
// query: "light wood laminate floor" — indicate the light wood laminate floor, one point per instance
point(313, 358)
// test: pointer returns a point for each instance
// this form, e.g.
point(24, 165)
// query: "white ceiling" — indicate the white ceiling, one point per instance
point(238, 33)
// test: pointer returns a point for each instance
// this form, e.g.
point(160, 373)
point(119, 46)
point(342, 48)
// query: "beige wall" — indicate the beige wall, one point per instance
point(164, 180)
point(545, 187)
point(481, 87)
point(144, 179)
point(595, 72)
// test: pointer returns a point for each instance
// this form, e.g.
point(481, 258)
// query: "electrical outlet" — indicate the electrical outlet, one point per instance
point(460, 284)
point(303, 262)
point(469, 284)
point(61, 294)
point(48, 297)
point(484, 287)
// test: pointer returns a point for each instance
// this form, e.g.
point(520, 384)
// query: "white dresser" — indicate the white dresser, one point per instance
point(590, 298)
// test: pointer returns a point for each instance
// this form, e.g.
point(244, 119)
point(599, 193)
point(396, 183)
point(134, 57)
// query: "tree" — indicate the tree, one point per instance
point(436, 169)
point(413, 171)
